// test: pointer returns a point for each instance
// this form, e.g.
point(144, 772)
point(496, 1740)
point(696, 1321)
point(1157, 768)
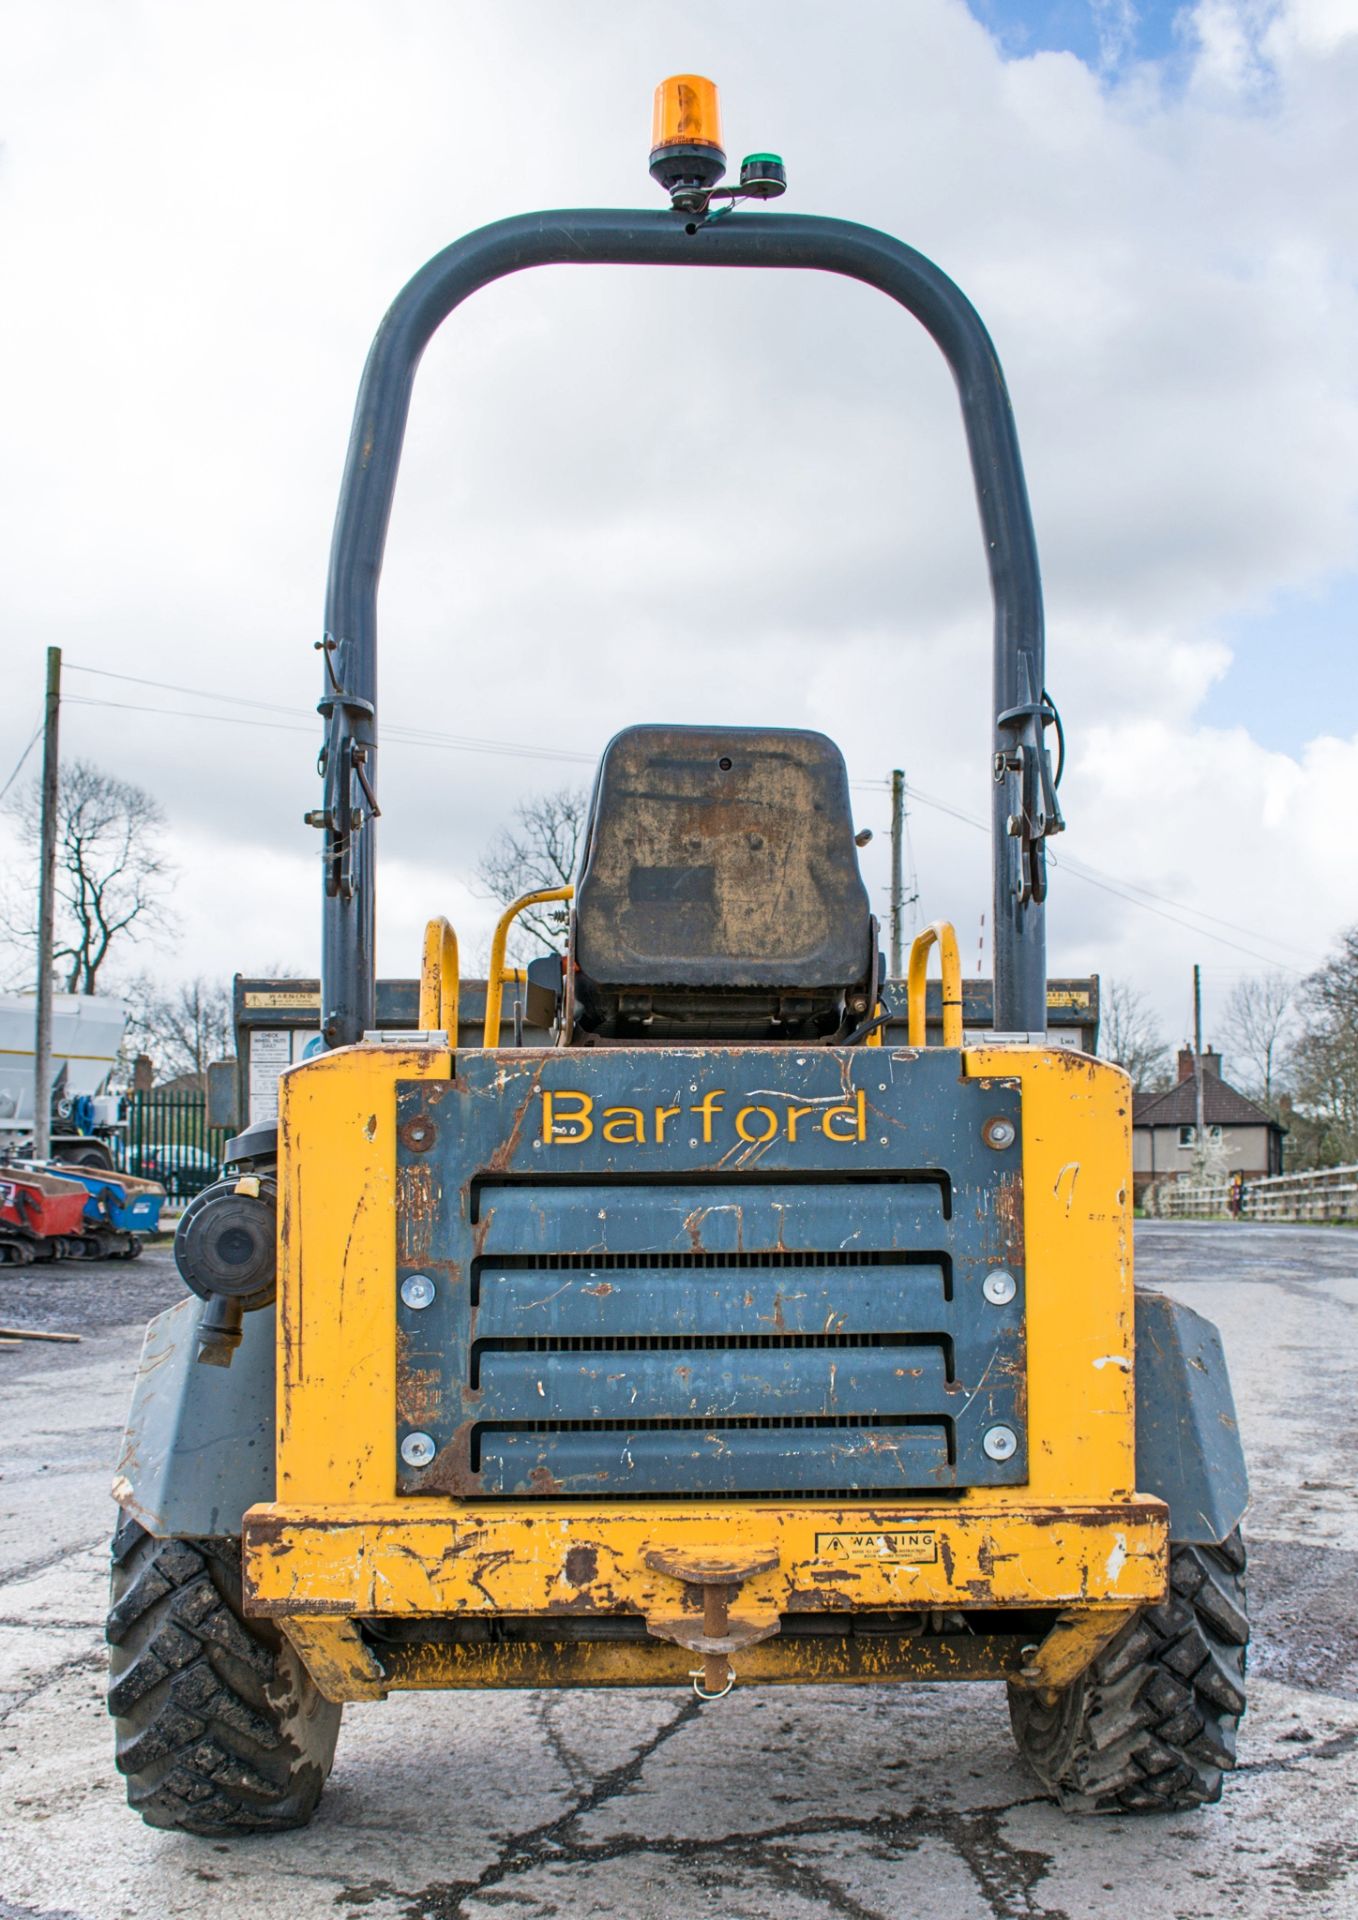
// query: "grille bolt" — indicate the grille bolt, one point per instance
point(998, 1287)
point(417, 1290)
point(1000, 1443)
point(999, 1133)
point(418, 1449)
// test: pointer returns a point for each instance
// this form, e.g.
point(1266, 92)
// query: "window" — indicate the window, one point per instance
point(1186, 1136)
point(1187, 1140)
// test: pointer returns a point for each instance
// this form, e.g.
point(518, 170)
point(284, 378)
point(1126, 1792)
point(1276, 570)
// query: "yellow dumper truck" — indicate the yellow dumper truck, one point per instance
point(724, 1340)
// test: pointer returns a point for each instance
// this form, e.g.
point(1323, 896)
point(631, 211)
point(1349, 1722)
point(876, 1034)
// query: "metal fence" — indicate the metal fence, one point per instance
point(1322, 1193)
point(168, 1139)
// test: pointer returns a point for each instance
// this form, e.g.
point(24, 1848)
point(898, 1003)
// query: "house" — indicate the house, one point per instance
point(1245, 1138)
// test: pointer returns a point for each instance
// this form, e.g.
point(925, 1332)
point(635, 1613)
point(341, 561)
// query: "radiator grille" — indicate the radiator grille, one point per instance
point(778, 1332)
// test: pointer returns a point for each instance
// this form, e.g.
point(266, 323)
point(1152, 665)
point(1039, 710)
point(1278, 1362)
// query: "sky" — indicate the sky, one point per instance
point(739, 498)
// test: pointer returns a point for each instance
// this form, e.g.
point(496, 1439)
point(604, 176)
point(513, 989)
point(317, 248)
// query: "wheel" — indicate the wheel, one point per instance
point(1151, 1726)
point(220, 1730)
point(94, 1155)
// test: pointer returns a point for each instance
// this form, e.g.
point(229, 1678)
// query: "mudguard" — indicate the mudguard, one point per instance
point(1188, 1450)
point(199, 1444)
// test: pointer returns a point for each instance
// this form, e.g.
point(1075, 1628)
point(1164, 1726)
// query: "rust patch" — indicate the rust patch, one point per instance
point(489, 1563)
point(1009, 1213)
point(419, 1393)
point(816, 1600)
point(450, 1469)
point(502, 1158)
point(582, 1565)
point(416, 1204)
point(418, 1134)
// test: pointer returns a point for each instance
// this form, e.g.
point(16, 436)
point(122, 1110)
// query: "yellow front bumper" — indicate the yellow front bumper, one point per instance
point(317, 1570)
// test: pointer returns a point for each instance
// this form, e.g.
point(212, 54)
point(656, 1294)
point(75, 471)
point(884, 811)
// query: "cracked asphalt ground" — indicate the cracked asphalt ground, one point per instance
point(795, 1804)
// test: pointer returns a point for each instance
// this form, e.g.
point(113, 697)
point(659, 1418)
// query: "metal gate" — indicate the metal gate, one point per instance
point(168, 1139)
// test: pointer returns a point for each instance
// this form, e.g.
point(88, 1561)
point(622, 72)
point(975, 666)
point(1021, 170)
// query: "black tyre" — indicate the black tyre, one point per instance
point(1151, 1726)
point(220, 1729)
point(93, 1155)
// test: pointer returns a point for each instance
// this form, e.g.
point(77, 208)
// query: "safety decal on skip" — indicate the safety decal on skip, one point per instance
point(915, 1547)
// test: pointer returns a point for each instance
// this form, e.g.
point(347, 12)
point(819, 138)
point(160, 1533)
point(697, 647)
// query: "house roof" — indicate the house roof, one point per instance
point(1177, 1107)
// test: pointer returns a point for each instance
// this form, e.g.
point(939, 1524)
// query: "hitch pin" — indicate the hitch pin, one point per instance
point(702, 1678)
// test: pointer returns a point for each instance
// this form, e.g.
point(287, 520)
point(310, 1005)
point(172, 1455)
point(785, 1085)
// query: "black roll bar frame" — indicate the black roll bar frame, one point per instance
point(1023, 805)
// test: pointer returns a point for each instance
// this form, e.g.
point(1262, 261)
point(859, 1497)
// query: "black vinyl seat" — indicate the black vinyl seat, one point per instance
point(719, 891)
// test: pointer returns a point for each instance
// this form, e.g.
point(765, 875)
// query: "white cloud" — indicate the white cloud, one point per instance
point(639, 495)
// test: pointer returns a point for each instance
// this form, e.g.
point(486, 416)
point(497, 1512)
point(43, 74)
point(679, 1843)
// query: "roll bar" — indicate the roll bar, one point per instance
point(1024, 806)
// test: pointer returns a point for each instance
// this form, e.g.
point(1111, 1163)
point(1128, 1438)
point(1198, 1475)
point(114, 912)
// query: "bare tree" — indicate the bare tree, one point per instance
point(1257, 1025)
point(1324, 1058)
point(541, 849)
point(1130, 1037)
point(181, 1027)
point(112, 874)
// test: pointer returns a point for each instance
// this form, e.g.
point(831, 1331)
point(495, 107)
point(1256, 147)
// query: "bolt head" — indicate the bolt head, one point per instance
point(999, 1287)
point(417, 1290)
point(418, 1449)
point(1000, 1443)
point(999, 1133)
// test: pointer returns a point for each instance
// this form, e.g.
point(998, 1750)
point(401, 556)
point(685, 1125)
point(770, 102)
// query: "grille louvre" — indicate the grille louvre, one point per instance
point(707, 1262)
point(705, 1342)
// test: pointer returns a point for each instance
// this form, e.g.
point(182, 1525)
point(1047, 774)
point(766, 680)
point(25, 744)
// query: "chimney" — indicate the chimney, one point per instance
point(1211, 1063)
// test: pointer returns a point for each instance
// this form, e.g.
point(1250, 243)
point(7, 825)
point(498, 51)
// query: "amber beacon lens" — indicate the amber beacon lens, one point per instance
point(686, 149)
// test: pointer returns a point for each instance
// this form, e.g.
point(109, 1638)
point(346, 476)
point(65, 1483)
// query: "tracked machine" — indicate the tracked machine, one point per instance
point(721, 1341)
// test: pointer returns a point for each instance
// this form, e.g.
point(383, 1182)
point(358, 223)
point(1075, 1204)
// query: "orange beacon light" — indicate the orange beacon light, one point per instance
point(686, 149)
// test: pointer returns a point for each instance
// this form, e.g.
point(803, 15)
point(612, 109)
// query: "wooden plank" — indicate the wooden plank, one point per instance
point(37, 1333)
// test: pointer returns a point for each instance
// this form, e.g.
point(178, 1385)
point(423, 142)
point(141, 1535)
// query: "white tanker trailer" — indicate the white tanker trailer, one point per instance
point(87, 1117)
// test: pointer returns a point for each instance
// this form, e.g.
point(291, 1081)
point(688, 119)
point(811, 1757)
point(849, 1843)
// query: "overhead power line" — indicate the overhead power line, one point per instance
point(1178, 912)
point(1161, 905)
point(19, 763)
point(302, 722)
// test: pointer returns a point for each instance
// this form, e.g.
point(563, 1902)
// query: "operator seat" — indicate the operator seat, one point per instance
point(719, 893)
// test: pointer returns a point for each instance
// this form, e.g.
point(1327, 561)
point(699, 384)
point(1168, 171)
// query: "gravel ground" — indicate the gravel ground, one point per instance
point(87, 1296)
point(791, 1804)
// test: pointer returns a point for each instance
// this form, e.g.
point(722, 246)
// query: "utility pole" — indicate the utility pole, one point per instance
point(47, 885)
point(1199, 1132)
point(897, 880)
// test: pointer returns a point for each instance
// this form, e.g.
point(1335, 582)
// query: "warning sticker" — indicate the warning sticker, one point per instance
point(283, 997)
point(270, 1052)
point(916, 1547)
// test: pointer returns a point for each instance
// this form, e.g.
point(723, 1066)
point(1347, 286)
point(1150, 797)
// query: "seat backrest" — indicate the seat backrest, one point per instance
point(719, 858)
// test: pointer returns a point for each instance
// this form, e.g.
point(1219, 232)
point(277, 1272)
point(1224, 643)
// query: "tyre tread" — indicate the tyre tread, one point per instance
point(219, 1730)
point(1151, 1726)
